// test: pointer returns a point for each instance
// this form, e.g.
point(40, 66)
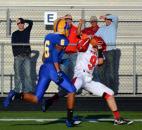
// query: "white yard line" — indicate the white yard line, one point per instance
point(57, 119)
point(32, 119)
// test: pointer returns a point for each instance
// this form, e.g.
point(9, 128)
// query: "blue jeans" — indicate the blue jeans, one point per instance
point(34, 57)
point(69, 67)
point(22, 69)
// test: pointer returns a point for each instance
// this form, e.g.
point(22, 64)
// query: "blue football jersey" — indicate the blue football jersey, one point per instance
point(48, 72)
point(51, 40)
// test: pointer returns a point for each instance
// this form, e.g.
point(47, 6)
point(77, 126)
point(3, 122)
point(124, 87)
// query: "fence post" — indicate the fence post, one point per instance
point(134, 69)
point(8, 23)
point(2, 69)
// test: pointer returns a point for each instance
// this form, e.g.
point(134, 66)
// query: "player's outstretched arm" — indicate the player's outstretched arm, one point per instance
point(83, 44)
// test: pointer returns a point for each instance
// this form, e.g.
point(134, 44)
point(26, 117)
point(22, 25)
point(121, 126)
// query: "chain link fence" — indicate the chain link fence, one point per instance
point(129, 20)
point(129, 29)
point(130, 69)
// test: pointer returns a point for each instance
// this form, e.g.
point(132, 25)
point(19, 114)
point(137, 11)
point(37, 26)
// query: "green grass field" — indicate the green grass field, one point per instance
point(55, 121)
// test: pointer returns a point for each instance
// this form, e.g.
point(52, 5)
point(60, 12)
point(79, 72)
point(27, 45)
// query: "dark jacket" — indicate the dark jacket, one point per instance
point(22, 37)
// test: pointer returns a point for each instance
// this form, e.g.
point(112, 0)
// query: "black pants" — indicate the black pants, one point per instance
point(108, 73)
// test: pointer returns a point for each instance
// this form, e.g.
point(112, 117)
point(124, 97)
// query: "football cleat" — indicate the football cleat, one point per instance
point(69, 123)
point(73, 122)
point(46, 104)
point(122, 121)
point(8, 99)
point(76, 120)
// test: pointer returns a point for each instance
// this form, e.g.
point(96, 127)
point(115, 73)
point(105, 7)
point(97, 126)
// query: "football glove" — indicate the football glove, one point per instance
point(60, 77)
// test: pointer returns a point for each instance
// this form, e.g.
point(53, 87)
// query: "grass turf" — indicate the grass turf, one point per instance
point(60, 124)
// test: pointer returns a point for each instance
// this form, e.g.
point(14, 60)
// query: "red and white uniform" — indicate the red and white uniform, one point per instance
point(85, 64)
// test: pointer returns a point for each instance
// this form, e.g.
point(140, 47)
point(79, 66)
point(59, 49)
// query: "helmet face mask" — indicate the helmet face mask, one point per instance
point(95, 41)
point(61, 27)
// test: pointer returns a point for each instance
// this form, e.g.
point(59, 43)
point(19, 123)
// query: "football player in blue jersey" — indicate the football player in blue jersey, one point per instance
point(54, 45)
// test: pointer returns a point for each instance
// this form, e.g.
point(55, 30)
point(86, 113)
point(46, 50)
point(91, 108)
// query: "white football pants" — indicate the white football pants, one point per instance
point(96, 88)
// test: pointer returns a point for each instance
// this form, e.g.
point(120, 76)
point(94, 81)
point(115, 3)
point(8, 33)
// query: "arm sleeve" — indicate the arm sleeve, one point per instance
point(30, 22)
point(15, 49)
point(114, 19)
point(82, 45)
point(13, 38)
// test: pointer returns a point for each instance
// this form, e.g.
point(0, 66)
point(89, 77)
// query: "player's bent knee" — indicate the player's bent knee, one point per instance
point(111, 92)
point(39, 98)
point(106, 96)
point(71, 90)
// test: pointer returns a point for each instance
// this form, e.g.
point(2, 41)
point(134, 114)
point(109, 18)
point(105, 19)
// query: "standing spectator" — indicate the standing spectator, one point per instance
point(22, 59)
point(71, 49)
point(93, 28)
point(109, 70)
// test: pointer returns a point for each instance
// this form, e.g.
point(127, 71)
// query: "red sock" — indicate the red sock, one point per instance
point(116, 114)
